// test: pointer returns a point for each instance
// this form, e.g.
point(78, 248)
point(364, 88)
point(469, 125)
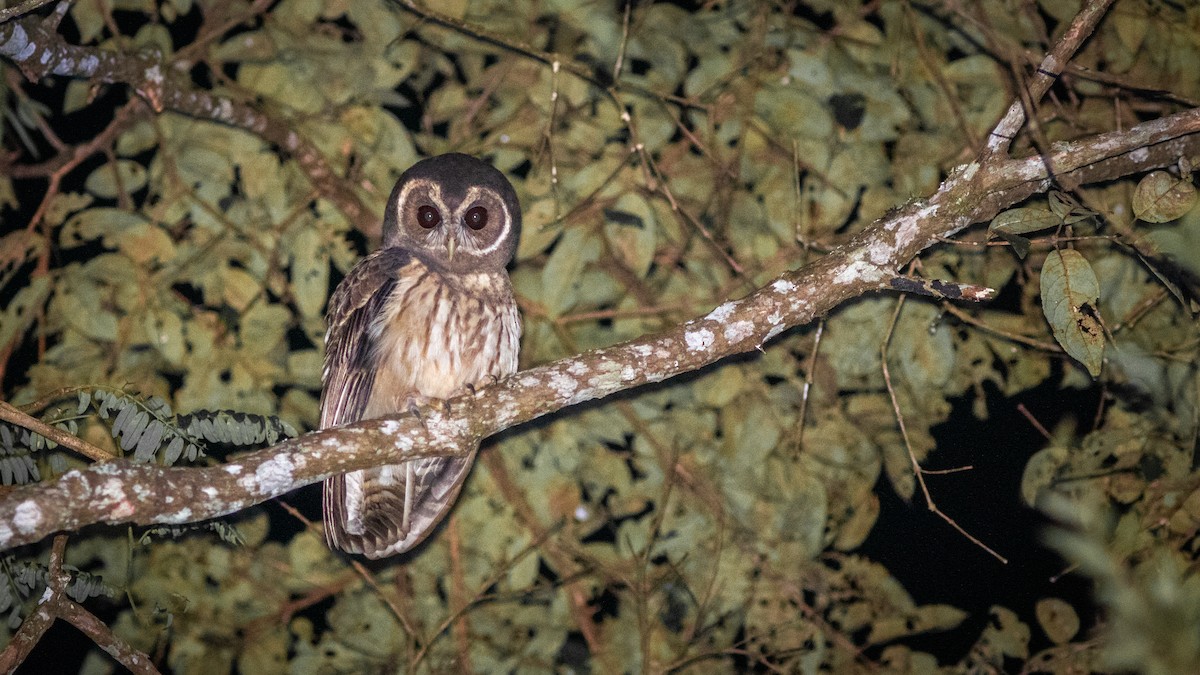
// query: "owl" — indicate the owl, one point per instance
point(429, 315)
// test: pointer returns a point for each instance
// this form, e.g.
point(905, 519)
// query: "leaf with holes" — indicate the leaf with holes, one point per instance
point(1161, 197)
point(1070, 292)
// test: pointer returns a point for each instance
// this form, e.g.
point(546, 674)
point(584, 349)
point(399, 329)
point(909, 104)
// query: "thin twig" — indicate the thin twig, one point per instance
point(918, 472)
point(13, 415)
point(1033, 421)
point(458, 597)
point(1047, 72)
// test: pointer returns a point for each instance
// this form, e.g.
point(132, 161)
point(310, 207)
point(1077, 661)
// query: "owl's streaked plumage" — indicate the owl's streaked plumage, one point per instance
point(427, 315)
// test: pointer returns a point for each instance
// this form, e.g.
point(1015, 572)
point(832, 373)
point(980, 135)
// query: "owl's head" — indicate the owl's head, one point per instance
point(457, 210)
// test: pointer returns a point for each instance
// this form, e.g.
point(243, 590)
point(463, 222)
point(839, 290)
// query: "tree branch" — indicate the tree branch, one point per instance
point(38, 50)
point(123, 492)
point(1048, 71)
point(54, 604)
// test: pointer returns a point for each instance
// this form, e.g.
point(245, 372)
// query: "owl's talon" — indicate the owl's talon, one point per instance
point(417, 403)
point(414, 408)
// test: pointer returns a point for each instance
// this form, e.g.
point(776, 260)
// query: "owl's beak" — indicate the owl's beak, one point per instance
point(451, 245)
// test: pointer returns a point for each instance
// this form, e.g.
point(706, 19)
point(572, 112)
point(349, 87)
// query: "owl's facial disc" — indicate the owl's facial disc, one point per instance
point(456, 210)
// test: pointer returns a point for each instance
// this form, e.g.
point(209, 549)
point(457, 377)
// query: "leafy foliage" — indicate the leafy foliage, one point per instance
point(22, 580)
point(709, 524)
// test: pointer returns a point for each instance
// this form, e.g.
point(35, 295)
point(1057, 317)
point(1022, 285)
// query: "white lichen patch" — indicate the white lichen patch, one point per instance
point(529, 381)
point(643, 350)
point(443, 433)
point(909, 227)
point(775, 318)
point(859, 270)
point(141, 491)
point(209, 492)
point(6, 533)
point(275, 475)
point(584, 394)
point(721, 313)
point(1139, 155)
point(738, 331)
point(27, 517)
point(402, 442)
point(698, 339)
point(181, 516)
point(19, 42)
point(233, 469)
point(783, 286)
point(562, 385)
point(879, 252)
point(775, 330)
point(111, 490)
point(390, 427)
point(607, 367)
point(577, 368)
point(121, 511)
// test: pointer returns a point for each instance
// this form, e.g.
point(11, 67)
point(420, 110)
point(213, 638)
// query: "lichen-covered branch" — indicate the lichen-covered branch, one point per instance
point(39, 50)
point(122, 492)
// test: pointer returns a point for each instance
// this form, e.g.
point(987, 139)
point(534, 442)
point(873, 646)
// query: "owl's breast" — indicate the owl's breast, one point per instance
point(437, 334)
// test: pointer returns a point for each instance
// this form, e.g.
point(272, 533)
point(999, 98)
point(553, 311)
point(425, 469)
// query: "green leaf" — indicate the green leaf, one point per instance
point(631, 229)
point(1067, 208)
point(310, 272)
point(89, 22)
point(102, 222)
point(1020, 245)
point(145, 243)
point(561, 275)
point(18, 316)
point(1040, 472)
point(239, 288)
point(255, 46)
point(78, 95)
point(1058, 619)
point(1022, 221)
point(1070, 292)
point(539, 228)
point(120, 177)
point(164, 329)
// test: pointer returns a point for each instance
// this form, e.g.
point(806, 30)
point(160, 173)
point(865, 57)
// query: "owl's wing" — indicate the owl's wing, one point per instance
point(351, 362)
point(350, 355)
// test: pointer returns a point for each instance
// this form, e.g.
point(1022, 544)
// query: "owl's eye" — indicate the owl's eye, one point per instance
point(476, 218)
point(428, 217)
